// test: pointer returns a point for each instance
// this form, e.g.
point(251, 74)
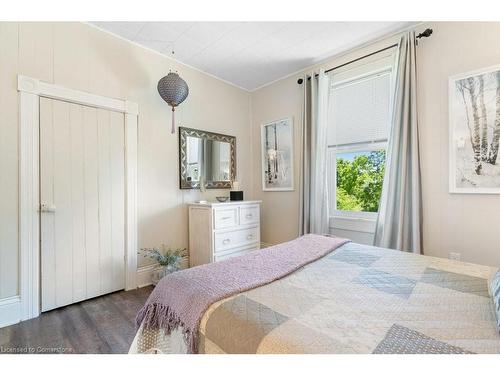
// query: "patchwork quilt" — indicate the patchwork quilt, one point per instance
point(357, 299)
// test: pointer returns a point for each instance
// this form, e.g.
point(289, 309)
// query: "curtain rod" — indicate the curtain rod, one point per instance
point(425, 34)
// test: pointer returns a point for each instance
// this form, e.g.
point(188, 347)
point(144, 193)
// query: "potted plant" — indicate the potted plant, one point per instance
point(168, 259)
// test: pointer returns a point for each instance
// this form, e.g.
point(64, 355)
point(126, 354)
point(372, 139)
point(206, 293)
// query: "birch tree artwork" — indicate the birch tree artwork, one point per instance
point(475, 132)
point(277, 155)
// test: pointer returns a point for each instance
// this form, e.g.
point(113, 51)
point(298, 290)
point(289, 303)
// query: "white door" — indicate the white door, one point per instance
point(82, 195)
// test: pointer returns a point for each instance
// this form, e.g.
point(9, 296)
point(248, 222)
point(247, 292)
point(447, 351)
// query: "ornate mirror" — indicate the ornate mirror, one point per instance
point(206, 157)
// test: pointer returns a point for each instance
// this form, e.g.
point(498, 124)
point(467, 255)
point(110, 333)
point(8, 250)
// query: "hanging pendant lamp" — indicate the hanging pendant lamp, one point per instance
point(174, 90)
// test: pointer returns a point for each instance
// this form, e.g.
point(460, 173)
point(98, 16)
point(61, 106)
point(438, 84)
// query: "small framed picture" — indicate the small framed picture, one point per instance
point(474, 109)
point(277, 155)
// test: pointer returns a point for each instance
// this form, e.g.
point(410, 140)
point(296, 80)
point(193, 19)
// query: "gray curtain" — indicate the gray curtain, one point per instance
point(313, 214)
point(399, 222)
point(305, 157)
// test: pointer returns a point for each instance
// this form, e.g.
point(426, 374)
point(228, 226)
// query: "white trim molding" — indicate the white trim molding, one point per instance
point(145, 275)
point(354, 224)
point(48, 90)
point(131, 200)
point(30, 92)
point(10, 311)
point(357, 229)
point(28, 204)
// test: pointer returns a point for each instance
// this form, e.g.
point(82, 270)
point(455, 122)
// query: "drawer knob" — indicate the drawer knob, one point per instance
point(226, 218)
point(248, 216)
point(250, 236)
point(226, 241)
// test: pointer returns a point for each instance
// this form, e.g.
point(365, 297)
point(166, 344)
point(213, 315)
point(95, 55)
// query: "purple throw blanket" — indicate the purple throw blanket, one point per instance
point(181, 298)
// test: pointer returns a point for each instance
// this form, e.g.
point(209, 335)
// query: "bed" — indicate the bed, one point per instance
point(355, 299)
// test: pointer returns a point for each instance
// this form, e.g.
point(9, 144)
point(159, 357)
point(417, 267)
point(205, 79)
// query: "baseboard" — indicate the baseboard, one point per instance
point(144, 273)
point(265, 244)
point(10, 311)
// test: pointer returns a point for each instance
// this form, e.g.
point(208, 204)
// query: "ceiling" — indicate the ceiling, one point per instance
point(251, 54)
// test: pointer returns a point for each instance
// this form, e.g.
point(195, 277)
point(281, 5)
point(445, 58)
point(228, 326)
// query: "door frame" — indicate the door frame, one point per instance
point(30, 92)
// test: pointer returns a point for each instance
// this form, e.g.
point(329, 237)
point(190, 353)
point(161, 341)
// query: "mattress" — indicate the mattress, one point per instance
point(357, 299)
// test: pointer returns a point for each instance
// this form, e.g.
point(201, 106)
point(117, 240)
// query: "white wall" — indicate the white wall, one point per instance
point(81, 57)
point(467, 224)
point(284, 99)
point(280, 210)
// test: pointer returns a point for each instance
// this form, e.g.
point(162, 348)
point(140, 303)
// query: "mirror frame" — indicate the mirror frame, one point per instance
point(189, 132)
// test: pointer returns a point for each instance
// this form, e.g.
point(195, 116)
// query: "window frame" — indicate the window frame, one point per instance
point(361, 73)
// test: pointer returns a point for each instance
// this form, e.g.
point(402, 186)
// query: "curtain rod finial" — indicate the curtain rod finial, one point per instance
point(299, 81)
point(425, 34)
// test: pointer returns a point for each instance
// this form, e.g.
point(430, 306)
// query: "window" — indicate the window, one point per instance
point(357, 140)
point(359, 178)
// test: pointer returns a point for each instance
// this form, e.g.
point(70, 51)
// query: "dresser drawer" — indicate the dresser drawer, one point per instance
point(249, 214)
point(225, 217)
point(238, 237)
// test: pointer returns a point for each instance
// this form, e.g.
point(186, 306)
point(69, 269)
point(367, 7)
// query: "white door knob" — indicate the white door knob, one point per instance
point(44, 207)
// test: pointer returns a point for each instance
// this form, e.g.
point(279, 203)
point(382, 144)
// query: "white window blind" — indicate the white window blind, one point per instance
point(360, 110)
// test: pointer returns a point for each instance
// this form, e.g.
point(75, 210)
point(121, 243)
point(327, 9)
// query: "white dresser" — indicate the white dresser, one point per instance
point(219, 231)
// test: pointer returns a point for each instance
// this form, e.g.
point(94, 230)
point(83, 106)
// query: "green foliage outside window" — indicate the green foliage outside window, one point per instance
point(359, 181)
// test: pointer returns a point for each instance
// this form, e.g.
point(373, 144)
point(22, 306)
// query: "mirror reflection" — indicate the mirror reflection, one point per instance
point(207, 158)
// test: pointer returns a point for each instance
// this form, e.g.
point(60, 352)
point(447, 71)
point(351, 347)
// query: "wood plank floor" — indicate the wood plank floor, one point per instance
point(104, 324)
